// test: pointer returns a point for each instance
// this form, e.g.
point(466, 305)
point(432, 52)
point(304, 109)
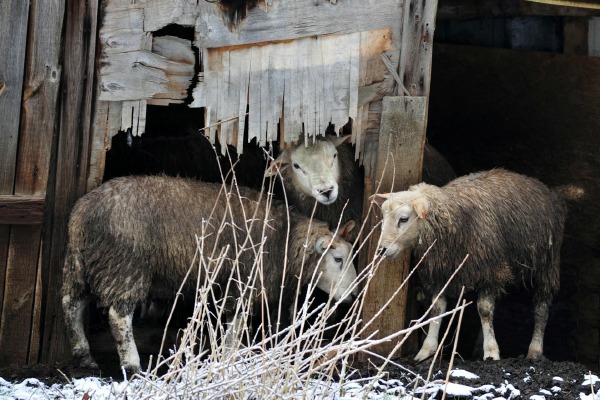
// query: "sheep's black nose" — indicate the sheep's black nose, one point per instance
point(381, 251)
point(327, 192)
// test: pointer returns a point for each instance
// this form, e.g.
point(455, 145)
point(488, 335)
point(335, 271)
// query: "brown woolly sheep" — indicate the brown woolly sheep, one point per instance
point(133, 233)
point(510, 225)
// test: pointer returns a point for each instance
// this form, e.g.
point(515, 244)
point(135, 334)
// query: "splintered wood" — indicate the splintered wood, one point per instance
point(286, 71)
point(303, 85)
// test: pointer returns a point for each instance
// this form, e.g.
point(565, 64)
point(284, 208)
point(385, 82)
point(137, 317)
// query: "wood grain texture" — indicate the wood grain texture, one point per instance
point(417, 42)
point(21, 210)
point(399, 162)
point(71, 162)
point(23, 285)
point(13, 35)
point(19, 294)
point(304, 85)
point(286, 20)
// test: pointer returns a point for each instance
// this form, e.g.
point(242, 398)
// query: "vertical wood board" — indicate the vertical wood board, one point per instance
point(308, 83)
point(399, 161)
point(14, 16)
point(72, 162)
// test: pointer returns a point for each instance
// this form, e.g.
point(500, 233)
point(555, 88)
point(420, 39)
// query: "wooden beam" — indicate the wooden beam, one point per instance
point(399, 164)
point(401, 140)
point(465, 9)
point(21, 210)
point(281, 21)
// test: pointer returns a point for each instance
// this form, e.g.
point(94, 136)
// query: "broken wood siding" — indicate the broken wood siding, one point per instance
point(305, 84)
point(291, 67)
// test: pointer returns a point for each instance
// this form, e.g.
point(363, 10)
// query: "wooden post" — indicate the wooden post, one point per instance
point(399, 163)
point(71, 163)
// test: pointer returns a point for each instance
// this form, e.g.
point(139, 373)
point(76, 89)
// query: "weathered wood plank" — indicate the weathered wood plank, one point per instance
point(466, 9)
point(71, 162)
point(19, 294)
point(13, 35)
point(306, 84)
point(399, 161)
point(23, 268)
point(286, 20)
point(107, 120)
point(21, 210)
point(417, 41)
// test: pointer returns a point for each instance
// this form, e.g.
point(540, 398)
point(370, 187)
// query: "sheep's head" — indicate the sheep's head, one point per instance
point(400, 226)
point(315, 168)
point(336, 273)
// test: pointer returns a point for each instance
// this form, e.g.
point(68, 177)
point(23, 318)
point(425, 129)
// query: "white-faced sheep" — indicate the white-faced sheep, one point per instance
point(326, 171)
point(510, 225)
point(132, 232)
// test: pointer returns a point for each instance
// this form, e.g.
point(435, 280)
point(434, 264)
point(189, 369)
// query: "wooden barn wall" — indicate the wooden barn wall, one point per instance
point(46, 77)
point(537, 114)
point(30, 72)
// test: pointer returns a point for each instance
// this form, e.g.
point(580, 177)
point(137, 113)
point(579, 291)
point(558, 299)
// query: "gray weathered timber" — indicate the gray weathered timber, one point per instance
point(399, 160)
point(286, 20)
point(21, 309)
point(71, 161)
point(13, 35)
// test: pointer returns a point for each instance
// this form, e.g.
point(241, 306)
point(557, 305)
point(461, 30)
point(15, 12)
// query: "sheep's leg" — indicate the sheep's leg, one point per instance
point(431, 342)
point(122, 331)
point(485, 308)
point(80, 346)
point(536, 347)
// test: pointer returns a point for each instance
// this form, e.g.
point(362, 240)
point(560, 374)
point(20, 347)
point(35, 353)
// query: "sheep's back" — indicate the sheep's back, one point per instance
point(132, 230)
point(510, 225)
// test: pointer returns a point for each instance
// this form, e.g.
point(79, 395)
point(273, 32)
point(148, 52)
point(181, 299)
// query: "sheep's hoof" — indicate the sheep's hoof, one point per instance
point(85, 359)
point(88, 362)
point(422, 355)
point(130, 370)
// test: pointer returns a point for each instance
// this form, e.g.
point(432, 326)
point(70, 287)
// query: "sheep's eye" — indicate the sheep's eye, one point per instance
point(338, 259)
point(402, 220)
point(296, 166)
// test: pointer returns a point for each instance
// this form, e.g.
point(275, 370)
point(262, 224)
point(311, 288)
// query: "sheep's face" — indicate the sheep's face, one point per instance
point(336, 273)
point(400, 225)
point(315, 169)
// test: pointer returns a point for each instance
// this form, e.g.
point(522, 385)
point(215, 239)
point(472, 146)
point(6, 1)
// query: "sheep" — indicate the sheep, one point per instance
point(326, 171)
point(134, 233)
point(510, 225)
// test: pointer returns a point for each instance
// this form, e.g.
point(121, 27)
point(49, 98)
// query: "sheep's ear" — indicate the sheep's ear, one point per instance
point(275, 166)
point(379, 198)
point(421, 205)
point(321, 244)
point(337, 140)
point(347, 228)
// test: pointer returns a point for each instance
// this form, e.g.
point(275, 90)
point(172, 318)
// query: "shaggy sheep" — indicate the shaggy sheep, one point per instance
point(510, 225)
point(132, 234)
point(326, 171)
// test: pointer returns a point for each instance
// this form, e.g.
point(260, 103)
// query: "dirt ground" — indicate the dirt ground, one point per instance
point(526, 376)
